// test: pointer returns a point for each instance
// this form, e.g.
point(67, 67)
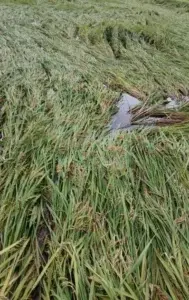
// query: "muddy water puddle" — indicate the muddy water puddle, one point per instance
point(124, 118)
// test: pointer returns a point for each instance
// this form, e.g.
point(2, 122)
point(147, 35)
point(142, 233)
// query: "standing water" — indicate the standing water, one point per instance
point(122, 119)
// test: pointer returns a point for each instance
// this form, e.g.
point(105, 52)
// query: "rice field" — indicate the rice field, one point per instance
point(84, 216)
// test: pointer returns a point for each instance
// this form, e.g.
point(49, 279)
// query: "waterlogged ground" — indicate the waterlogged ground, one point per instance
point(123, 117)
point(82, 215)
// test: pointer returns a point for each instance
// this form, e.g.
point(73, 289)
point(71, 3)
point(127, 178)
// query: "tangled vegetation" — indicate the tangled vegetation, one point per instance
point(84, 216)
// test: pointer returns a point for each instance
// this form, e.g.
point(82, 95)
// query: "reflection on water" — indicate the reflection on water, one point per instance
point(122, 119)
